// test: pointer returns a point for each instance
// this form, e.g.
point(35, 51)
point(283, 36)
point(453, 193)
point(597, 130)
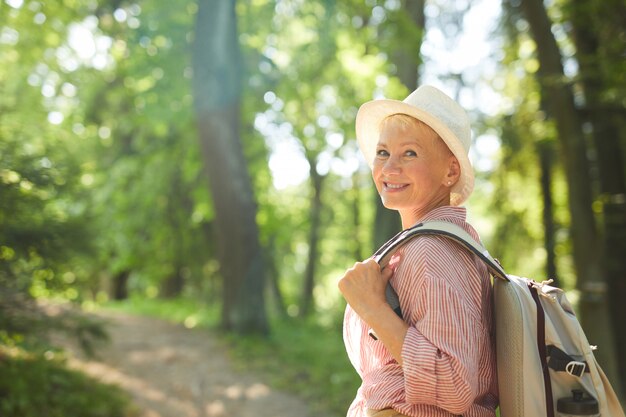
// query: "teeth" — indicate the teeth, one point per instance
point(394, 186)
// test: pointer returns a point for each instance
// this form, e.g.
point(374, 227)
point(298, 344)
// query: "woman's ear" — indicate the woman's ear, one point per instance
point(454, 171)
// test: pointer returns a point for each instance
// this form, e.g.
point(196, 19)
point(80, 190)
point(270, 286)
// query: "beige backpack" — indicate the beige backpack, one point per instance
point(546, 366)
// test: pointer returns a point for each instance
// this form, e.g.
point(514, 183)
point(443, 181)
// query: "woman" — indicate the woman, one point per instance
point(440, 359)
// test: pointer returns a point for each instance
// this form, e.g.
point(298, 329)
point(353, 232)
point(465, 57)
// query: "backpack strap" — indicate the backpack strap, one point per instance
point(435, 227)
point(562, 362)
point(543, 351)
point(442, 228)
point(558, 359)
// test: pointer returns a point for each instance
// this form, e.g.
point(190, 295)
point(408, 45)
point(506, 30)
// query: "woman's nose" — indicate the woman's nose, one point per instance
point(391, 166)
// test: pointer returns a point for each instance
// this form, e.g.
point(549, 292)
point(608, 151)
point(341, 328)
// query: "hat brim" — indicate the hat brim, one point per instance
point(370, 117)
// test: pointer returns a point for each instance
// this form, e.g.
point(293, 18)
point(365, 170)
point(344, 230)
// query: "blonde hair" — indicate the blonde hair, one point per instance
point(405, 121)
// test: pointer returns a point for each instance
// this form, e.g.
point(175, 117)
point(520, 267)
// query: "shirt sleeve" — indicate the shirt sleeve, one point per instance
point(440, 352)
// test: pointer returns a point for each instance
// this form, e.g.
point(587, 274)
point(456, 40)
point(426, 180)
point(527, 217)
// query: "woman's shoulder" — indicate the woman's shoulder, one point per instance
point(437, 250)
point(423, 244)
point(453, 220)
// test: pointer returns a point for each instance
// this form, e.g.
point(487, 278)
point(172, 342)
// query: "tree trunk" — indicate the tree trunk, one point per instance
point(407, 57)
point(120, 285)
point(313, 150)
point(591, 281)
point(178, 210)
point(586, 20)
point(173, 285)
point(356, 216)
point(273, 274)
point(386, 223)
point(317, 180)
point(546, 155)
point(217, 90)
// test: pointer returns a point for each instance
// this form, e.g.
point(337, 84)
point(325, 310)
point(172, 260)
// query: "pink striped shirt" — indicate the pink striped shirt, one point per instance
point(449, 352)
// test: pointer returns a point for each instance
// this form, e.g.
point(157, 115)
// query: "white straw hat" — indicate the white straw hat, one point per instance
point(438, 111)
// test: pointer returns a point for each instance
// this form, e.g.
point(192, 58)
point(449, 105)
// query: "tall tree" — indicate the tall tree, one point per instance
point(313, 109)
point(317, 180)
point(217, 70)
point(546, 157)
point(587, 256)
point(597, 26)
point(529, 159)
point(313, 149)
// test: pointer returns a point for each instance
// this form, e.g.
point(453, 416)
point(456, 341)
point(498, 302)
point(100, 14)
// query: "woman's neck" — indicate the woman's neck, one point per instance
point(413, 215)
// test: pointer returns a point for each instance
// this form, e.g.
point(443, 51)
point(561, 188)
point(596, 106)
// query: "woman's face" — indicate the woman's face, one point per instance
point(413, 169)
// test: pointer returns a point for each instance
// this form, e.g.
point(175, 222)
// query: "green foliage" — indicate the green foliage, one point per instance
point(100, 173)
point(516, 230)
point(190, 312)
point(40, 226)
point(108, 146)
point(34, 386)
point(34, 377)
point(29, 325)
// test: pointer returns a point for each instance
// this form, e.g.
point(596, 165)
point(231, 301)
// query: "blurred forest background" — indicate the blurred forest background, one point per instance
point(204, 151)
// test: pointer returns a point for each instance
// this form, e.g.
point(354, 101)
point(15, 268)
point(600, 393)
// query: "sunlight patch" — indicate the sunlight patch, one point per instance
point(191, 322)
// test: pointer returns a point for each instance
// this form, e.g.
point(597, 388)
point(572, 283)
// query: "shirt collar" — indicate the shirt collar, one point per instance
point(446, 213)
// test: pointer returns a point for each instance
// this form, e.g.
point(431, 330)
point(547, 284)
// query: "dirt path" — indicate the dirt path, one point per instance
point(172, 371)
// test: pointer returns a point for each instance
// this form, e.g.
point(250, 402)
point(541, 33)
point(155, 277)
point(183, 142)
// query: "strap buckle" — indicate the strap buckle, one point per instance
point(576, 368)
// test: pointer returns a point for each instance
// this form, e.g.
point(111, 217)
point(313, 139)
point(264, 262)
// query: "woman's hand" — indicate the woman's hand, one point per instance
point(363, 287)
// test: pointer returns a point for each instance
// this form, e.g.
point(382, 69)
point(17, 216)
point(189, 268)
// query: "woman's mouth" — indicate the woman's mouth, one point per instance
point(394, 187)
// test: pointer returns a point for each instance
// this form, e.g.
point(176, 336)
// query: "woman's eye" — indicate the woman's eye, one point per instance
point(410, 153)
point(382, 153)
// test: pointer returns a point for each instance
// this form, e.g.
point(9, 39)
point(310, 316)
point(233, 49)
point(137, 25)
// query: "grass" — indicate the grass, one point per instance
point(305, 358)
point(180, 310)
point(302, 357)
point(40, 385)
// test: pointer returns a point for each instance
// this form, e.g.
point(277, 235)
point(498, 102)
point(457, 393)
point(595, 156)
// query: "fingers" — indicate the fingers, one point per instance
point(370, 262)
point(366, 266)
point(386, 274)
point(366, 273)
point(363, 287)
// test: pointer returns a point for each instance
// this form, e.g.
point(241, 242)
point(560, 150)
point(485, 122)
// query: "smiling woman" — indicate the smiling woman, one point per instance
point(439, 358)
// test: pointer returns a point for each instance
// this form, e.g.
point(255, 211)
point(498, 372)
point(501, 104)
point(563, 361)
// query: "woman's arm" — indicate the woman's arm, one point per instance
point(441, 351)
